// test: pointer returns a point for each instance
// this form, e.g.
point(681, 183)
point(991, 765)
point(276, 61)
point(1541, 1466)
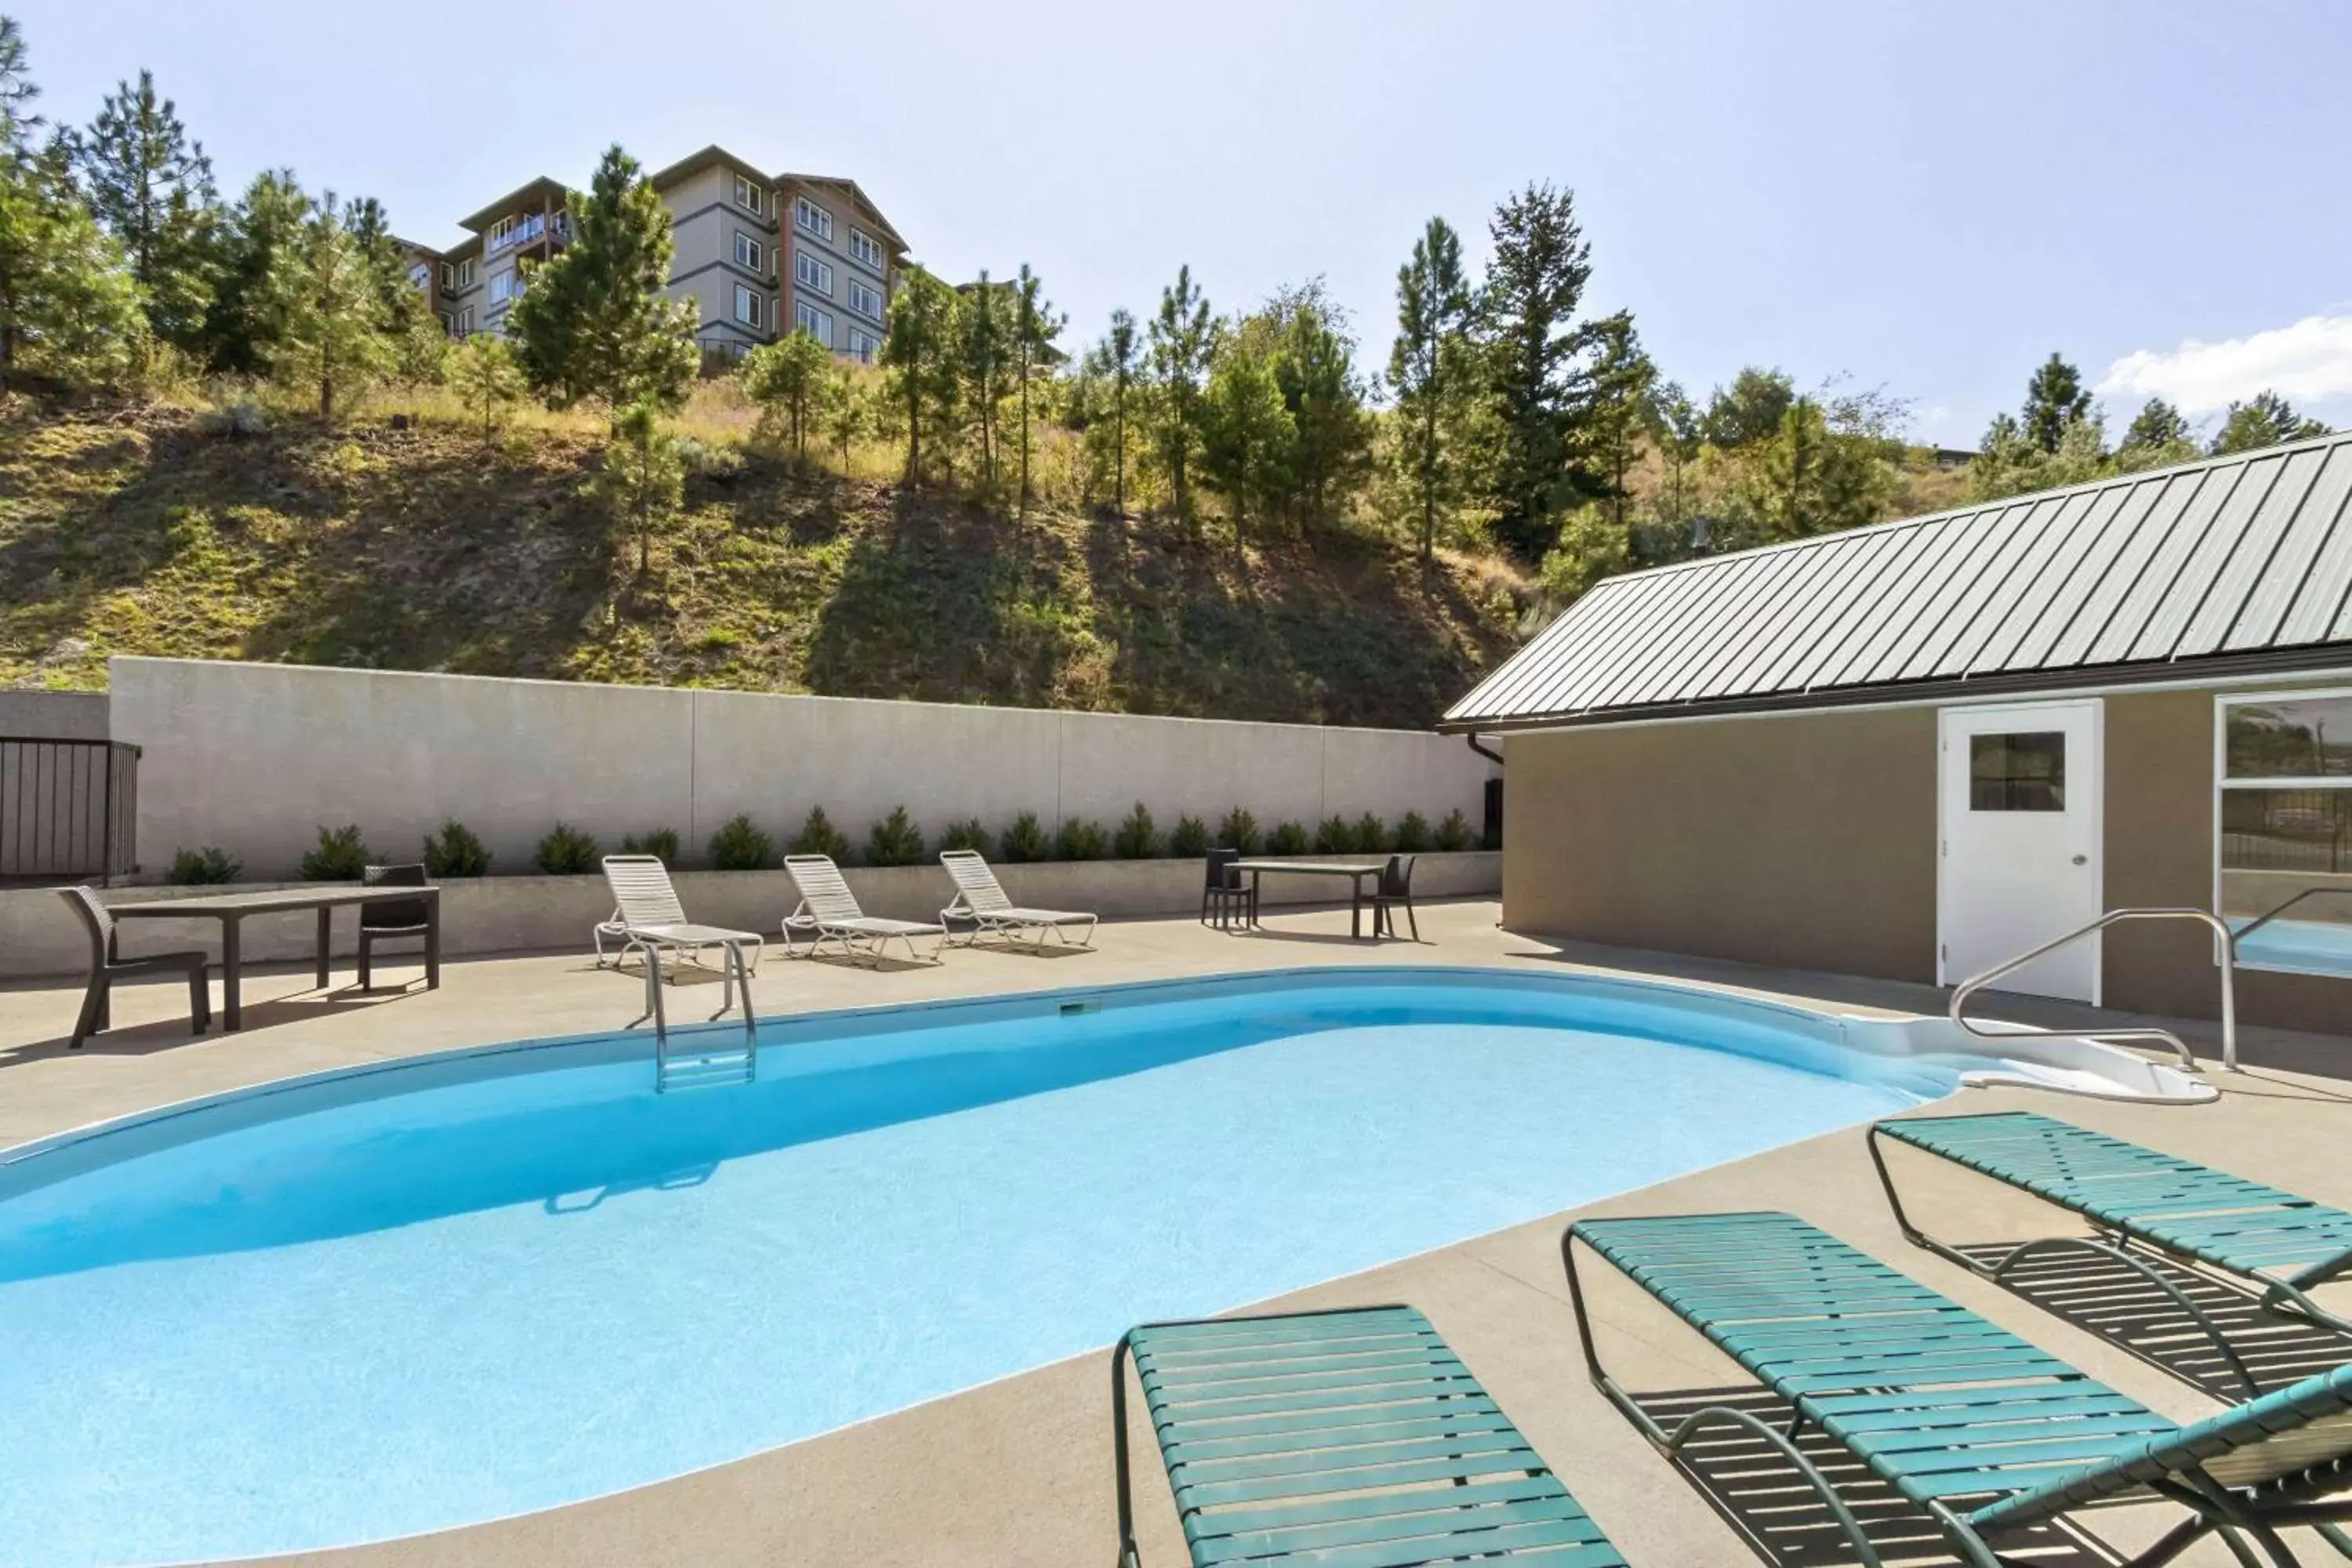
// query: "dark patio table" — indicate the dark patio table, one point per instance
point(231, 910)
point(1357, 875)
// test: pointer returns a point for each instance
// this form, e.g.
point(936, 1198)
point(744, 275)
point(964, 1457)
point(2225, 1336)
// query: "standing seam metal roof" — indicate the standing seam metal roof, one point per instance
point(2242, 561)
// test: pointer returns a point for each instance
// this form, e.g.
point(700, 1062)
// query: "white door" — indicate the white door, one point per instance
point(2021, 791)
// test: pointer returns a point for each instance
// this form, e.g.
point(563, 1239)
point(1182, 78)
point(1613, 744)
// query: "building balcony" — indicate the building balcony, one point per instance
point(530, 231)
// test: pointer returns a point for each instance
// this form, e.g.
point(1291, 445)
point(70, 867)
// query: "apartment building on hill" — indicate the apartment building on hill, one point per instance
point(760, 255)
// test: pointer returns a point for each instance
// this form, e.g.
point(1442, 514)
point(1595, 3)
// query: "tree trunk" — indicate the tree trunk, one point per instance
point(1024, 430)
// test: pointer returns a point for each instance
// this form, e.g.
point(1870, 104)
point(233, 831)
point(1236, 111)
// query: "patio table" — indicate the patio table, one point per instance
point(231, 910)
point(1358, 875)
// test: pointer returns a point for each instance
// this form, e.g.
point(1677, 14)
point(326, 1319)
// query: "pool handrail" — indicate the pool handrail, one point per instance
point(1975, 983)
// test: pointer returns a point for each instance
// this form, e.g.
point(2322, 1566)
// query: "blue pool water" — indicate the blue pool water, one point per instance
point(381, 1304)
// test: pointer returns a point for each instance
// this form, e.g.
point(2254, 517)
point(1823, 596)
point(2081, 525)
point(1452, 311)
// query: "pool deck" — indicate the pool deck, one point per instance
point(1017, 1472)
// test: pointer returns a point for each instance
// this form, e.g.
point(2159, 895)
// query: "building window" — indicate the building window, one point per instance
point(862, 248)
point(808, 319)
point(2018, 772)
point(866, 303)
point(747, 305)
point(465, 327)
point(814, 218)
point(750, 197)
point(448, 278)
point(465, 274)
point(2283, 869)
point(421, 275)
point(504, 285)
point(748, 253)
point(500, 230)
point(813, 273)
point(449, 323)
point(864, 346)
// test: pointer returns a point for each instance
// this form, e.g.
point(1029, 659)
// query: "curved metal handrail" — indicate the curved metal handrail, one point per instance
point(2308, 893)
point(1977, 982)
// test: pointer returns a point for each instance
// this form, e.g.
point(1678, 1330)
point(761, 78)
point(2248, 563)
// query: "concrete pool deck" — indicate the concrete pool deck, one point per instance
point(1016, 1472)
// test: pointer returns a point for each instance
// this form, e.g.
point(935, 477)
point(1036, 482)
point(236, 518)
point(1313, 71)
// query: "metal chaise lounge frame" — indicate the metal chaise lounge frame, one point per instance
point(1352, 1438)
point(649, 919)
point(981, 900)
point(2282, 1245)
point(1964, 1419)
point(828, 912)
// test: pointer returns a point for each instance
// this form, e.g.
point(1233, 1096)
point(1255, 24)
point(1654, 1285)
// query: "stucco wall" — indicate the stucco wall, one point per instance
point(1806, 841)
point(256, 757)
point(53, 715)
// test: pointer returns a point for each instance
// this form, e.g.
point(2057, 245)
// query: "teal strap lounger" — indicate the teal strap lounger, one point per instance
point(1975, 1427)
point(1347, 1439)
point(2284, 1245)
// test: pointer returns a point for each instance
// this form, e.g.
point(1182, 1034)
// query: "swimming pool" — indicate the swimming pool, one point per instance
point(500, 1280)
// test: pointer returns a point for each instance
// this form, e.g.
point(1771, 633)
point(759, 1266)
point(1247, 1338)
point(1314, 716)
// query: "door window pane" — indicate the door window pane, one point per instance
point(2306, 738)
point(2018, 772)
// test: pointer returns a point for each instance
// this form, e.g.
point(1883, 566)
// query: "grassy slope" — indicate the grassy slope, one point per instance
point(419, 549)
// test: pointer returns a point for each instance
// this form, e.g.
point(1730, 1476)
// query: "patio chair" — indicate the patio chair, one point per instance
point(650, 921)
point(106, 965)
point(1344, 1437)
point(981, 900)
point(1225, 890)
point(828, 912)
point(1970, 1424)
point(2284, 1246)
point(1395, 892)
point(401, 921)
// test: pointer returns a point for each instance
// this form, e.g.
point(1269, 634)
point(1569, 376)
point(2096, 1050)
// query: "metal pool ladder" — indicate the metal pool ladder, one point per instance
point(701, 1069)
point(1975, 983)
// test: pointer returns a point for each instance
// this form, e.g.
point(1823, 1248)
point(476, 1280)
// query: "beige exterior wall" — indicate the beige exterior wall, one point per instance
point(705, 220)
point(1809, 840)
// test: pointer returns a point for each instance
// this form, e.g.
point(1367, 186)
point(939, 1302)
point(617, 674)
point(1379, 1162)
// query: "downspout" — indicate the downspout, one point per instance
point(1491, 755)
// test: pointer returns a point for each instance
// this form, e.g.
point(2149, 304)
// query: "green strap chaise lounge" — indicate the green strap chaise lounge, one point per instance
point(1974, 1425)
point(2284, 1245)
point(1343, 1439)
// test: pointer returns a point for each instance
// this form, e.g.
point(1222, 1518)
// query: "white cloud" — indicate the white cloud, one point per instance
point(2310, 362)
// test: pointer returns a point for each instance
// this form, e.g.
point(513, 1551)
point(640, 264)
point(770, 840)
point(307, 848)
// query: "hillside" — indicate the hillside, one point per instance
point(420, 548)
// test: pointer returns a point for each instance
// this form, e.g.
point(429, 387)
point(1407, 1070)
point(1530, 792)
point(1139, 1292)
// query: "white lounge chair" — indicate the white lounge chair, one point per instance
point(828, 912)
point(981, 900)
point(649, 919)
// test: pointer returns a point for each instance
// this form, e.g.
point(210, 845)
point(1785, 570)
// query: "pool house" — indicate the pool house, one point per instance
point(1918, 750)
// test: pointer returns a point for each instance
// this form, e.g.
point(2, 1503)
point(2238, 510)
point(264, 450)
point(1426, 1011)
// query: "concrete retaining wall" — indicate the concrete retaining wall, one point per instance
point(256, 757)
point(39, 938)
point(53, 715)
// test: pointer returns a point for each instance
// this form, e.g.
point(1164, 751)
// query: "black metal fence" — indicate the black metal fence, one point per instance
point(69, 810)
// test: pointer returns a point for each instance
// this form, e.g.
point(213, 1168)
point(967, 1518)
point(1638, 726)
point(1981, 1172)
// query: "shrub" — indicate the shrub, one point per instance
point(700, 457)
point(1287, 838)
point(895, 840)
point(1239, 831)
point(197, 868)
point(1453, 833)
point(1136, 839)
point(738, 845)
point(1412, 834)
point(565, 852)
point(818, 836)
point(1024, 839)
point(1189, 839)
point(341, 855)
point(1335, 836)
point(456, 852)
point(237, 417)
point(1080, 839)
point(1372, 834)
point(966, 835)
point(661, 844)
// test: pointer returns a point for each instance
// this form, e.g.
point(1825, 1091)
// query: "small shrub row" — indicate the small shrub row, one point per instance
point(342, 855)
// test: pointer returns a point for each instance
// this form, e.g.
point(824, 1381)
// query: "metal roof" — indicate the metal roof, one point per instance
point(2231, 564)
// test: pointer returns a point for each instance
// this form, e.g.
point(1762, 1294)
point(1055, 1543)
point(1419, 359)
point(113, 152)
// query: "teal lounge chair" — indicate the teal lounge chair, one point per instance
point(1975, 1427)
point(1345, 1439)
point(2285, 1247)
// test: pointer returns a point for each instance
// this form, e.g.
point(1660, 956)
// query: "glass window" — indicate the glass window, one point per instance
point(814, 218)
point(746, 251)
point(866, 303)
point(747, 305)
point(813, 273)
point(863, 346)
point(502, 285)
point(465, 274)
point(863, 249)
point(2285, 856)
point(750, 197)
point(815, 322)
point(2018, 772)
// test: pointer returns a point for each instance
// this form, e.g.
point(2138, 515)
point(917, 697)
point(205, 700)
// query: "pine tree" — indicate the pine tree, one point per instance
point(2264, 420)
point(643, 485)
point(335, 331)
point(2158, 424)
point(789, 380)
point(245, 324)
point(1183, 338)
point(1429, 369)
point(420, 347)
point(1527, 314)
point(2054, 399)
point(488, 379)
point(987, 359)
point(1750, 410)
point(595, 322)
point(1314, 365)
point(923, 356)
point(1114, 359)
point(1246, 427)
point(17, 90)
point(152, 188)
point(846, 411)
point(1034, 328)
point(69, 314)
point(1618, 420)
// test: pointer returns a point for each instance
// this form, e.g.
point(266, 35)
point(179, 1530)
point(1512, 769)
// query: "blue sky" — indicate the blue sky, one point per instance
point(1929, 198)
